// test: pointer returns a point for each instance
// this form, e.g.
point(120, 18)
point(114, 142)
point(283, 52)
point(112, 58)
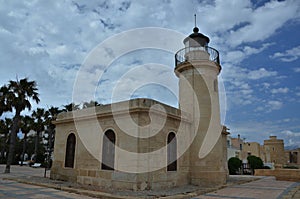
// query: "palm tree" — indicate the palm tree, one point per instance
point(39, 116)
point(90, 104)
point(52, 115)
point(5, 126)
point(18, 96)
point(4, 101)
point(71, 107)
point(26, 126)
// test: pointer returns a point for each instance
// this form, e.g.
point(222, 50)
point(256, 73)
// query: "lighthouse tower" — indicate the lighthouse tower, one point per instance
point(197, 66)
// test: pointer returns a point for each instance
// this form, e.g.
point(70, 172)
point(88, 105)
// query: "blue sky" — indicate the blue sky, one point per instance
point(258, 42)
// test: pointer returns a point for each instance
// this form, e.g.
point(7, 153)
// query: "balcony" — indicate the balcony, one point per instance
point(196, 53)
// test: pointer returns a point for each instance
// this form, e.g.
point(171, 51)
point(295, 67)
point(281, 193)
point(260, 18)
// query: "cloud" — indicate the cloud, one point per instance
point(280, 90)
point(261, 73)
point(296, 70)
point(292, 143)
point(291, 138)
point(290, 133)
point(274, 105)
point(288, 56)
point(240, 85)
point(261, 21)
point(237, 56)
point(267, 106)
point(237, 73)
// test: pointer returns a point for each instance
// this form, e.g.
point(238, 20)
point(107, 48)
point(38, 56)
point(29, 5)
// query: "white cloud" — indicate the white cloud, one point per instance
point(291, 138)
point(237, 56)
point(261, 73)
point(267, 106)
point(274, 105)
point(290, 133)
point(287, 120)
point(250, 50)
point(292, 143)
point(233, 73)
point(288, 56)
point(280, 90)
point(297, 70)
point(261, 23)
point(266, 85)
point(240, 85)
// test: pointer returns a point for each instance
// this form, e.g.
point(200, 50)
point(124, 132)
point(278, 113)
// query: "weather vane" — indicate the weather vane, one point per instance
point(195, 20)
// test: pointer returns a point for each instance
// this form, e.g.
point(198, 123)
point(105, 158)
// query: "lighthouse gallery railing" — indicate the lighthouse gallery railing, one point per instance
point(180, 56)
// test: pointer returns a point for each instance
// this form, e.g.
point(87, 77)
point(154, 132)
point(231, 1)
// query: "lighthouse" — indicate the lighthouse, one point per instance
point(197, 66)
point(144, 144)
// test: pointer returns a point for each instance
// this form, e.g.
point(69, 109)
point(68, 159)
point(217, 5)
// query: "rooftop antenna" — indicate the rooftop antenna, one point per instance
point(195, 20)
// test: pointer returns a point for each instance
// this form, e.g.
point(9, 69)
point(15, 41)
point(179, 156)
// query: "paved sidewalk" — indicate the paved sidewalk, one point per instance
point(14, 190)
point(265, 188)
point(26, 182)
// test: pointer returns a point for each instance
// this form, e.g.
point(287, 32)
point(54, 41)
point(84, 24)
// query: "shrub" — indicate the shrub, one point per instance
point(234, 164)
point(255, 162)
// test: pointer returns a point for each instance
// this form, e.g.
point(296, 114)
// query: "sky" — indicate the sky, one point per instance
point(258, 41)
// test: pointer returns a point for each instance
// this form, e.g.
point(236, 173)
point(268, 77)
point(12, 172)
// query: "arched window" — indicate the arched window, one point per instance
point(108, 150)
point(70, 151)
point(172, 152)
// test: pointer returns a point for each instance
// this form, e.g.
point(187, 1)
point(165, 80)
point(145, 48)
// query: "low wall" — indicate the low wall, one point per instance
point(280, 174)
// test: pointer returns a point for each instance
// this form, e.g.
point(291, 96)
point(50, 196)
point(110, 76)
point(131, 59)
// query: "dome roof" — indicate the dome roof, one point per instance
point(197, 36)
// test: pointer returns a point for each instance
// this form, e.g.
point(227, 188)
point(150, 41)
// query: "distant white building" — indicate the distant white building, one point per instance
point(232, 151)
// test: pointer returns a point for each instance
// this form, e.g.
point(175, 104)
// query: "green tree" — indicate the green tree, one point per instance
point(5, 126)
point(90, 104)
point(234, 164)
point(18, 98)
point(50, 131)
point(4, 100)
point(26, 125)
point(39, 115)
point(255, 162)
point(71, 107)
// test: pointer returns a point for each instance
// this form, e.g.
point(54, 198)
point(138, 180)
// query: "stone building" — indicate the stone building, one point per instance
point(237, 142)
point(274, 151)
point(293, 157)
point(251, 148)
point(271, 152)
point(232, 150)
point(144, 144)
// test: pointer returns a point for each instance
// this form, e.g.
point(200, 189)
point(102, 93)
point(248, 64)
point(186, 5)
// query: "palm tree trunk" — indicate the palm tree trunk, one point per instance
point(36, 145)
point(50, 147)
point(12, 143)
point(24, 148)
point(3, 148)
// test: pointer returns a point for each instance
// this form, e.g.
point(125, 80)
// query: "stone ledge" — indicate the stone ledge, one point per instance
point(280, 174)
